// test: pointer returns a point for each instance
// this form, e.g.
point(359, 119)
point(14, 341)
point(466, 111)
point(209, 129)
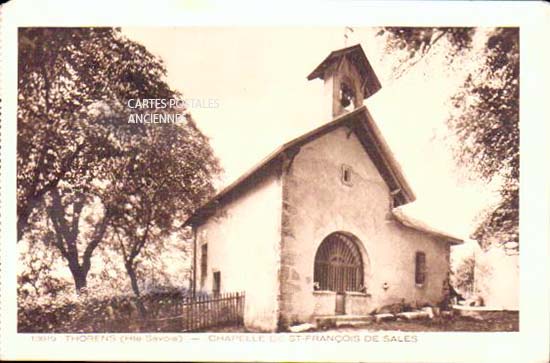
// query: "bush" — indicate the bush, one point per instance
point(87, 313)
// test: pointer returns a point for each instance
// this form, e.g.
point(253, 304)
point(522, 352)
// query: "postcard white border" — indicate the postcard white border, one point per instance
point(533, 18)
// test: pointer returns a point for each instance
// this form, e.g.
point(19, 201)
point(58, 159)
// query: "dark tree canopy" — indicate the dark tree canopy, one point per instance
point(486, 116)
point(77, 149)
point(414, 44)
point(487, 124)
point(63, 74)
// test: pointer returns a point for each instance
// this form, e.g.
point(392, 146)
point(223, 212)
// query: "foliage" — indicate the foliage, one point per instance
point(486, 116)
point(97, 311)
point(36, 276)
point(84, 172)
point(63, 145)
point(487, 125)
point(166, 174)
point(410, 45)
point(63, 75)
point(462, 275)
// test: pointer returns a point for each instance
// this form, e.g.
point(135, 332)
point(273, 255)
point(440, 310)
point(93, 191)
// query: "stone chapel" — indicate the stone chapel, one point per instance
point(317, 228)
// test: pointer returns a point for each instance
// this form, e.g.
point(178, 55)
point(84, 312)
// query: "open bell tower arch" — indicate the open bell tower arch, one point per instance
point(348, 80)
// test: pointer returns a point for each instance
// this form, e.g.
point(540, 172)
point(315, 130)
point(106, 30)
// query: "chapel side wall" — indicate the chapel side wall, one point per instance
point(243, 244)
point(316, 203)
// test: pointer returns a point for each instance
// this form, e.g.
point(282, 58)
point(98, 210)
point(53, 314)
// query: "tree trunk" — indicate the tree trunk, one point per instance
point(79, 276)
point(66, 236)
point(79, 281)
point(135, 288)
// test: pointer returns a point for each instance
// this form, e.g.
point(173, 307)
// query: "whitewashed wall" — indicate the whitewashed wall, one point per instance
point(243, 241)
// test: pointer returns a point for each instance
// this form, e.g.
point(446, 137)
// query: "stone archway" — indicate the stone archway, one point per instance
point(339, 264)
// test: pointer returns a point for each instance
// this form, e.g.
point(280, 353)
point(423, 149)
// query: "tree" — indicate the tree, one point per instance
point(411, 45)
point(487, 124)
point(462, 276)
point(35, 278)
point(68, 232)
point(486, 116)
point(166, 175)
point(76, 148)
point(64, 73)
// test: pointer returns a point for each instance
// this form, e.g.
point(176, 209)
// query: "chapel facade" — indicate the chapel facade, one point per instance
point(318, 228)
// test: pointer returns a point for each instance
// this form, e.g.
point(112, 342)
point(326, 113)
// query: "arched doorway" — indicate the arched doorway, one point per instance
point(338, 264)
point(339, 267)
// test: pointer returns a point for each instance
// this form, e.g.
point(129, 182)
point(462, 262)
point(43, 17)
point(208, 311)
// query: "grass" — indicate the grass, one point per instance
point(501, 321)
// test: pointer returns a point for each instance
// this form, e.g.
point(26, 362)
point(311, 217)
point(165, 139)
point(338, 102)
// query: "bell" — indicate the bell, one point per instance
point(345, 101)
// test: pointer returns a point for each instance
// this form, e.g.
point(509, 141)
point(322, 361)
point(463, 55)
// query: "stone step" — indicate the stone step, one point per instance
point(343, 320)
point(384, 317)
point(353, 323)
point(301, 328)
point(413, 315)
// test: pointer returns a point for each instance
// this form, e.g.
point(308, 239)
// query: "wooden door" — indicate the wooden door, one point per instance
point(340, 303)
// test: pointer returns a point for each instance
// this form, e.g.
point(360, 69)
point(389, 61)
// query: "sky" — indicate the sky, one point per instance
point(249, 94)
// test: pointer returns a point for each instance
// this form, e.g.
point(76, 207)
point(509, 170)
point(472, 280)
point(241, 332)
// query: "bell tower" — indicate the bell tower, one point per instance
point(348, 80)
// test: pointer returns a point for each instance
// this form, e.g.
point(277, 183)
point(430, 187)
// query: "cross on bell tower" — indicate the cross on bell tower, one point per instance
point(348, 80)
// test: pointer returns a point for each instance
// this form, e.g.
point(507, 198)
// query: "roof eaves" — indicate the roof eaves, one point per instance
point(317, 72)
point(391, 161)
point(415, 224)
point(293, 143)
point(373, 84)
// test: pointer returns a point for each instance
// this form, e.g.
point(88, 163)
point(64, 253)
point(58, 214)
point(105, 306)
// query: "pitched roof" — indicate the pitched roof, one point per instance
point(358, 120)
point(408, 221)
point(357, 56)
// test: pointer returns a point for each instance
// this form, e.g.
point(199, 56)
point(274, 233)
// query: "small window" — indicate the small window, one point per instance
point(420, 270)
point(204, 259)
point(346, 174)
point(217, 283)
